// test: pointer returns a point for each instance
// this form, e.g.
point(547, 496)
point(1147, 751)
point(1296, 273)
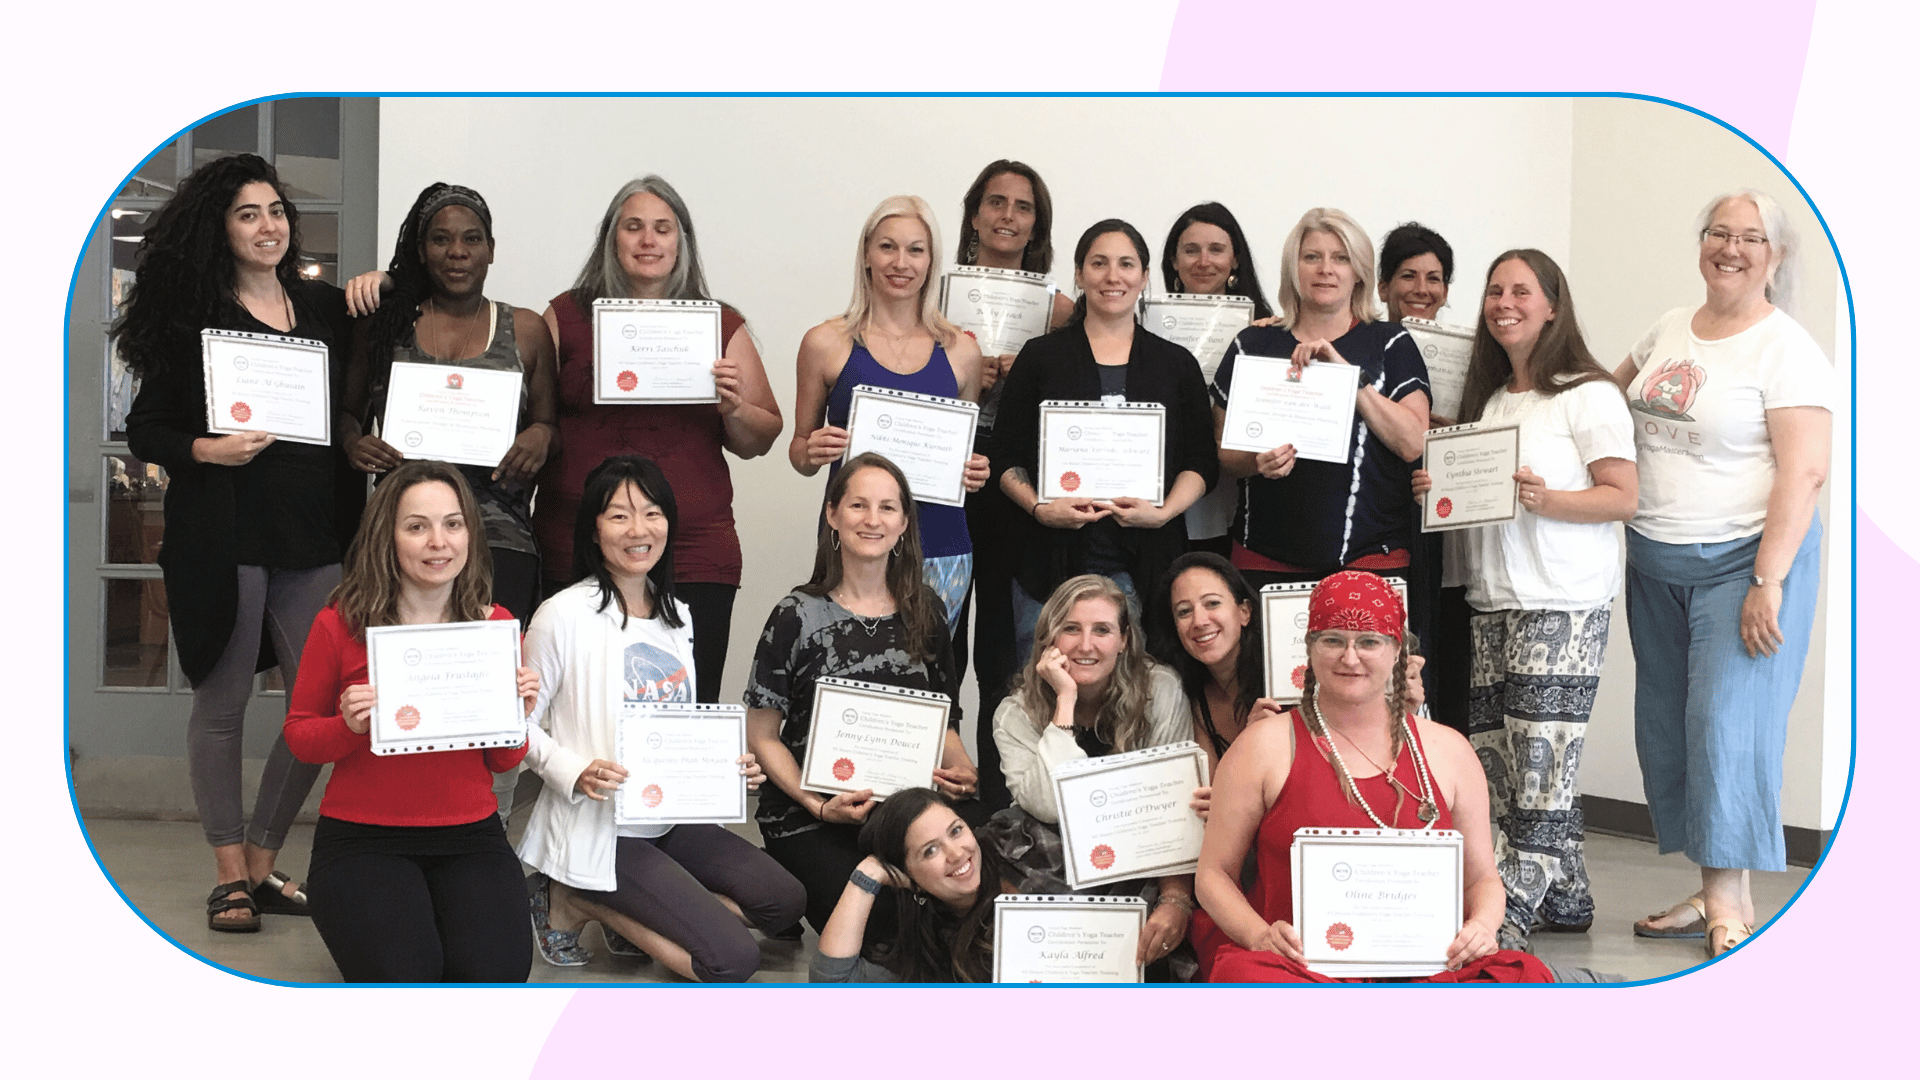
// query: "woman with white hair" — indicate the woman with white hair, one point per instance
point(1301, 520)
point(1733, 419)
point(893, 336)
point(645, 249)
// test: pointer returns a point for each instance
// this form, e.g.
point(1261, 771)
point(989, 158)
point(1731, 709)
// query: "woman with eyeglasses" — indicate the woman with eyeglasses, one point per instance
point(1733, 409)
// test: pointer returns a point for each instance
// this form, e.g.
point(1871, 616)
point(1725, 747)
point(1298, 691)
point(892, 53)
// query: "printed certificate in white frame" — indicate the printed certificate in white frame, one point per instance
point(263, 382)
point(1472, 467)
point(443, 412)
point(1269, 406)
point(866, 735)
point(1044, 938)
point(1447, 350)
point(655, 352)
point(682, 762)
point(1127, 816)
point(930, 438)
point(1089, 450)
point(1202, 325)
point(1002, 309)
point(445, 686)
point(1378, 903)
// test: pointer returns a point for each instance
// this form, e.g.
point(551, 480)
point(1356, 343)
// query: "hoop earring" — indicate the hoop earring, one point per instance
point(920, 898)
point(973, 250)
point(1179, 285)
point(836, 540)
point(899, 544)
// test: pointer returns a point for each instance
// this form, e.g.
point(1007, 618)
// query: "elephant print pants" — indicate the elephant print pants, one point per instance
point(1535, 674)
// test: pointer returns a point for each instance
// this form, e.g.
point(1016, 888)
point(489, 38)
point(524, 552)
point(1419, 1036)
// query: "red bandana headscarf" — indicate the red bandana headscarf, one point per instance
point(1356, 600)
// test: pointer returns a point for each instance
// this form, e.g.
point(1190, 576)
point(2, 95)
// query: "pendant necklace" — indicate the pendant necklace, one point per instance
point(1428, 812)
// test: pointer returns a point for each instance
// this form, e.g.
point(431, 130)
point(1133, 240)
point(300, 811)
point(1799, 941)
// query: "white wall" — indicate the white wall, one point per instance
point(779, 187)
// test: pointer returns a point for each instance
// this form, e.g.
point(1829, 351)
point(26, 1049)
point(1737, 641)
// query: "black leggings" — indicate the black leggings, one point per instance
point(432, 904)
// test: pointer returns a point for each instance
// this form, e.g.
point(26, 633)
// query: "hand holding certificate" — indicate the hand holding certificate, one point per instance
point(1472, 467)
point(1271, 403)
point(445, 686)
point(1071, 939)
point(1377, 902)
point(1093, 451)
point(682, 762)
point(929, 438)
point(655, 352)
point(440, 412)
point(260, 382)
point(867, 736)
point(1127, 816)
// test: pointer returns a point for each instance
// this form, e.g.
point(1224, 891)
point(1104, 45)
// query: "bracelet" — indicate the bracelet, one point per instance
point(864, 883)
point(1180, 900)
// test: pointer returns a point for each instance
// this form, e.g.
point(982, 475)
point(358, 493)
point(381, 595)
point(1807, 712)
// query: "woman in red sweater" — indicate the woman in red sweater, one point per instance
point(412, 879)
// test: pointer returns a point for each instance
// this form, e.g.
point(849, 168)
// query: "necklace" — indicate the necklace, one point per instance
point(896, 343)
point(286, 306)
point(1429, 810)
point(870, 624)
point(444, 351)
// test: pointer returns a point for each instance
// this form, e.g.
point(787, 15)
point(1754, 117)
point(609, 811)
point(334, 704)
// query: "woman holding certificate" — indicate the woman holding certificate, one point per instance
point(1120, 472)
point(1735, 429)
point(1088, 691)
point(688, 893)
point(1207, 255)
point(412, 878)
point(1541, 586)
point(1335, 493)
point(438, 315)
point(893, 336)
point(1352, 757)
point(251, 547)
point(867, 615)
point(645, 249)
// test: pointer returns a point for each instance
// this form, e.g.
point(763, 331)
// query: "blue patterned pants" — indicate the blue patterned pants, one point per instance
point(1535, 674)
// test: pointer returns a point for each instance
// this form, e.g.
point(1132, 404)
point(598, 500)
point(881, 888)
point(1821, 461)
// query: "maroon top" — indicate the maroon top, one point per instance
point(684, 440)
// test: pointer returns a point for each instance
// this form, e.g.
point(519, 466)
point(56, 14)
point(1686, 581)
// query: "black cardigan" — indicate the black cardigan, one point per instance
point(201, 547)
point(1060, 367)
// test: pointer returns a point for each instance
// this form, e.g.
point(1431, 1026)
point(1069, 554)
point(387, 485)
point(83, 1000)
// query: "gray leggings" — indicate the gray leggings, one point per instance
point(281, 604)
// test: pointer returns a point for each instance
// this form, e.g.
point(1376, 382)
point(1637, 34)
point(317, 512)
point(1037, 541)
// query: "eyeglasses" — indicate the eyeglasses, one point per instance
point(1334, 643)
point(1725, 238)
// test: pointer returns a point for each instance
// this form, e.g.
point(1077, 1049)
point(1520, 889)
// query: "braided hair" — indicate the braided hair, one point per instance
point(185, 279)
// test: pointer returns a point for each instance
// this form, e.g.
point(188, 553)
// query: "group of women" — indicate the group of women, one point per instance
point(1100, 626)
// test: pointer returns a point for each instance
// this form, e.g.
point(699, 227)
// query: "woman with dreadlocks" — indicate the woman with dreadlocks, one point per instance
point(437, 313)
point(251, 546)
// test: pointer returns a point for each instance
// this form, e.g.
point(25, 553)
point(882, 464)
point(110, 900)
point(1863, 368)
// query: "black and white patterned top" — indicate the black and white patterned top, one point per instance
point(810, 637)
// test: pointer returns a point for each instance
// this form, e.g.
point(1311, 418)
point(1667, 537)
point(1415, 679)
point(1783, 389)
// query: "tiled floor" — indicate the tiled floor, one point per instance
point(163, 868)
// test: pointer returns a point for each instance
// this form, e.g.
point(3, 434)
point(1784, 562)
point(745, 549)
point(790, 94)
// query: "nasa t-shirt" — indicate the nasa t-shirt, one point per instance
point(652, 668)
point(1700, 422)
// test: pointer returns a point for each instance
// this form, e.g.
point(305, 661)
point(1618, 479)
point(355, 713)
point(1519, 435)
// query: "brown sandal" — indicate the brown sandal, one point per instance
point(1645, 928)
point(221, 900)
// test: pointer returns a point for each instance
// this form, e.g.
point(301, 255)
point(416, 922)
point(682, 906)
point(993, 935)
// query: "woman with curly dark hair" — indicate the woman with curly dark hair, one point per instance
point(436, 313)
point(251, 545)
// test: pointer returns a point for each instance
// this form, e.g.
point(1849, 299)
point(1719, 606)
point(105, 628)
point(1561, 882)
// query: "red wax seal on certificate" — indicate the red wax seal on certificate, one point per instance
point(651, 795)
point(626, 381)
point(1300, 677)
point(1070, 480)
point(1340, 936)
point(241, 411)
point(407, 717)
point(1444, 507)
point(1101, 856)
point(843, 769)
point(455, 380)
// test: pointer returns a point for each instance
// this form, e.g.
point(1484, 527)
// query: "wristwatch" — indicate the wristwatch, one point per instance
point(864, 883)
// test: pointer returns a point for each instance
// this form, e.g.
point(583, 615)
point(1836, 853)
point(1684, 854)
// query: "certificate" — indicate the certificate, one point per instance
point(1000, 308)
point(1377, 902)
point(682, 763)
point(1283, 624)
point(1446, 349)
point(1472, 466)
point(260, 382)
point(1093, 451)
point(1202, 325)
point(1067, 939)
point(1268, 407)
point(1126, 815)
point(445, 686)
point(439, 412)
point(866, 735)
point(929, 437)
point(655, 352)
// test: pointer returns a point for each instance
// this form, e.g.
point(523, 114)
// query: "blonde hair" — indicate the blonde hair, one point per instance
point(859, 314)
point(1359, 256)
point(1122, 721)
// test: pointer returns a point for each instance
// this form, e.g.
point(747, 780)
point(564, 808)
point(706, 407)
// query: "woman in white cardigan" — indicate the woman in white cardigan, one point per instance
point(685, 894)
